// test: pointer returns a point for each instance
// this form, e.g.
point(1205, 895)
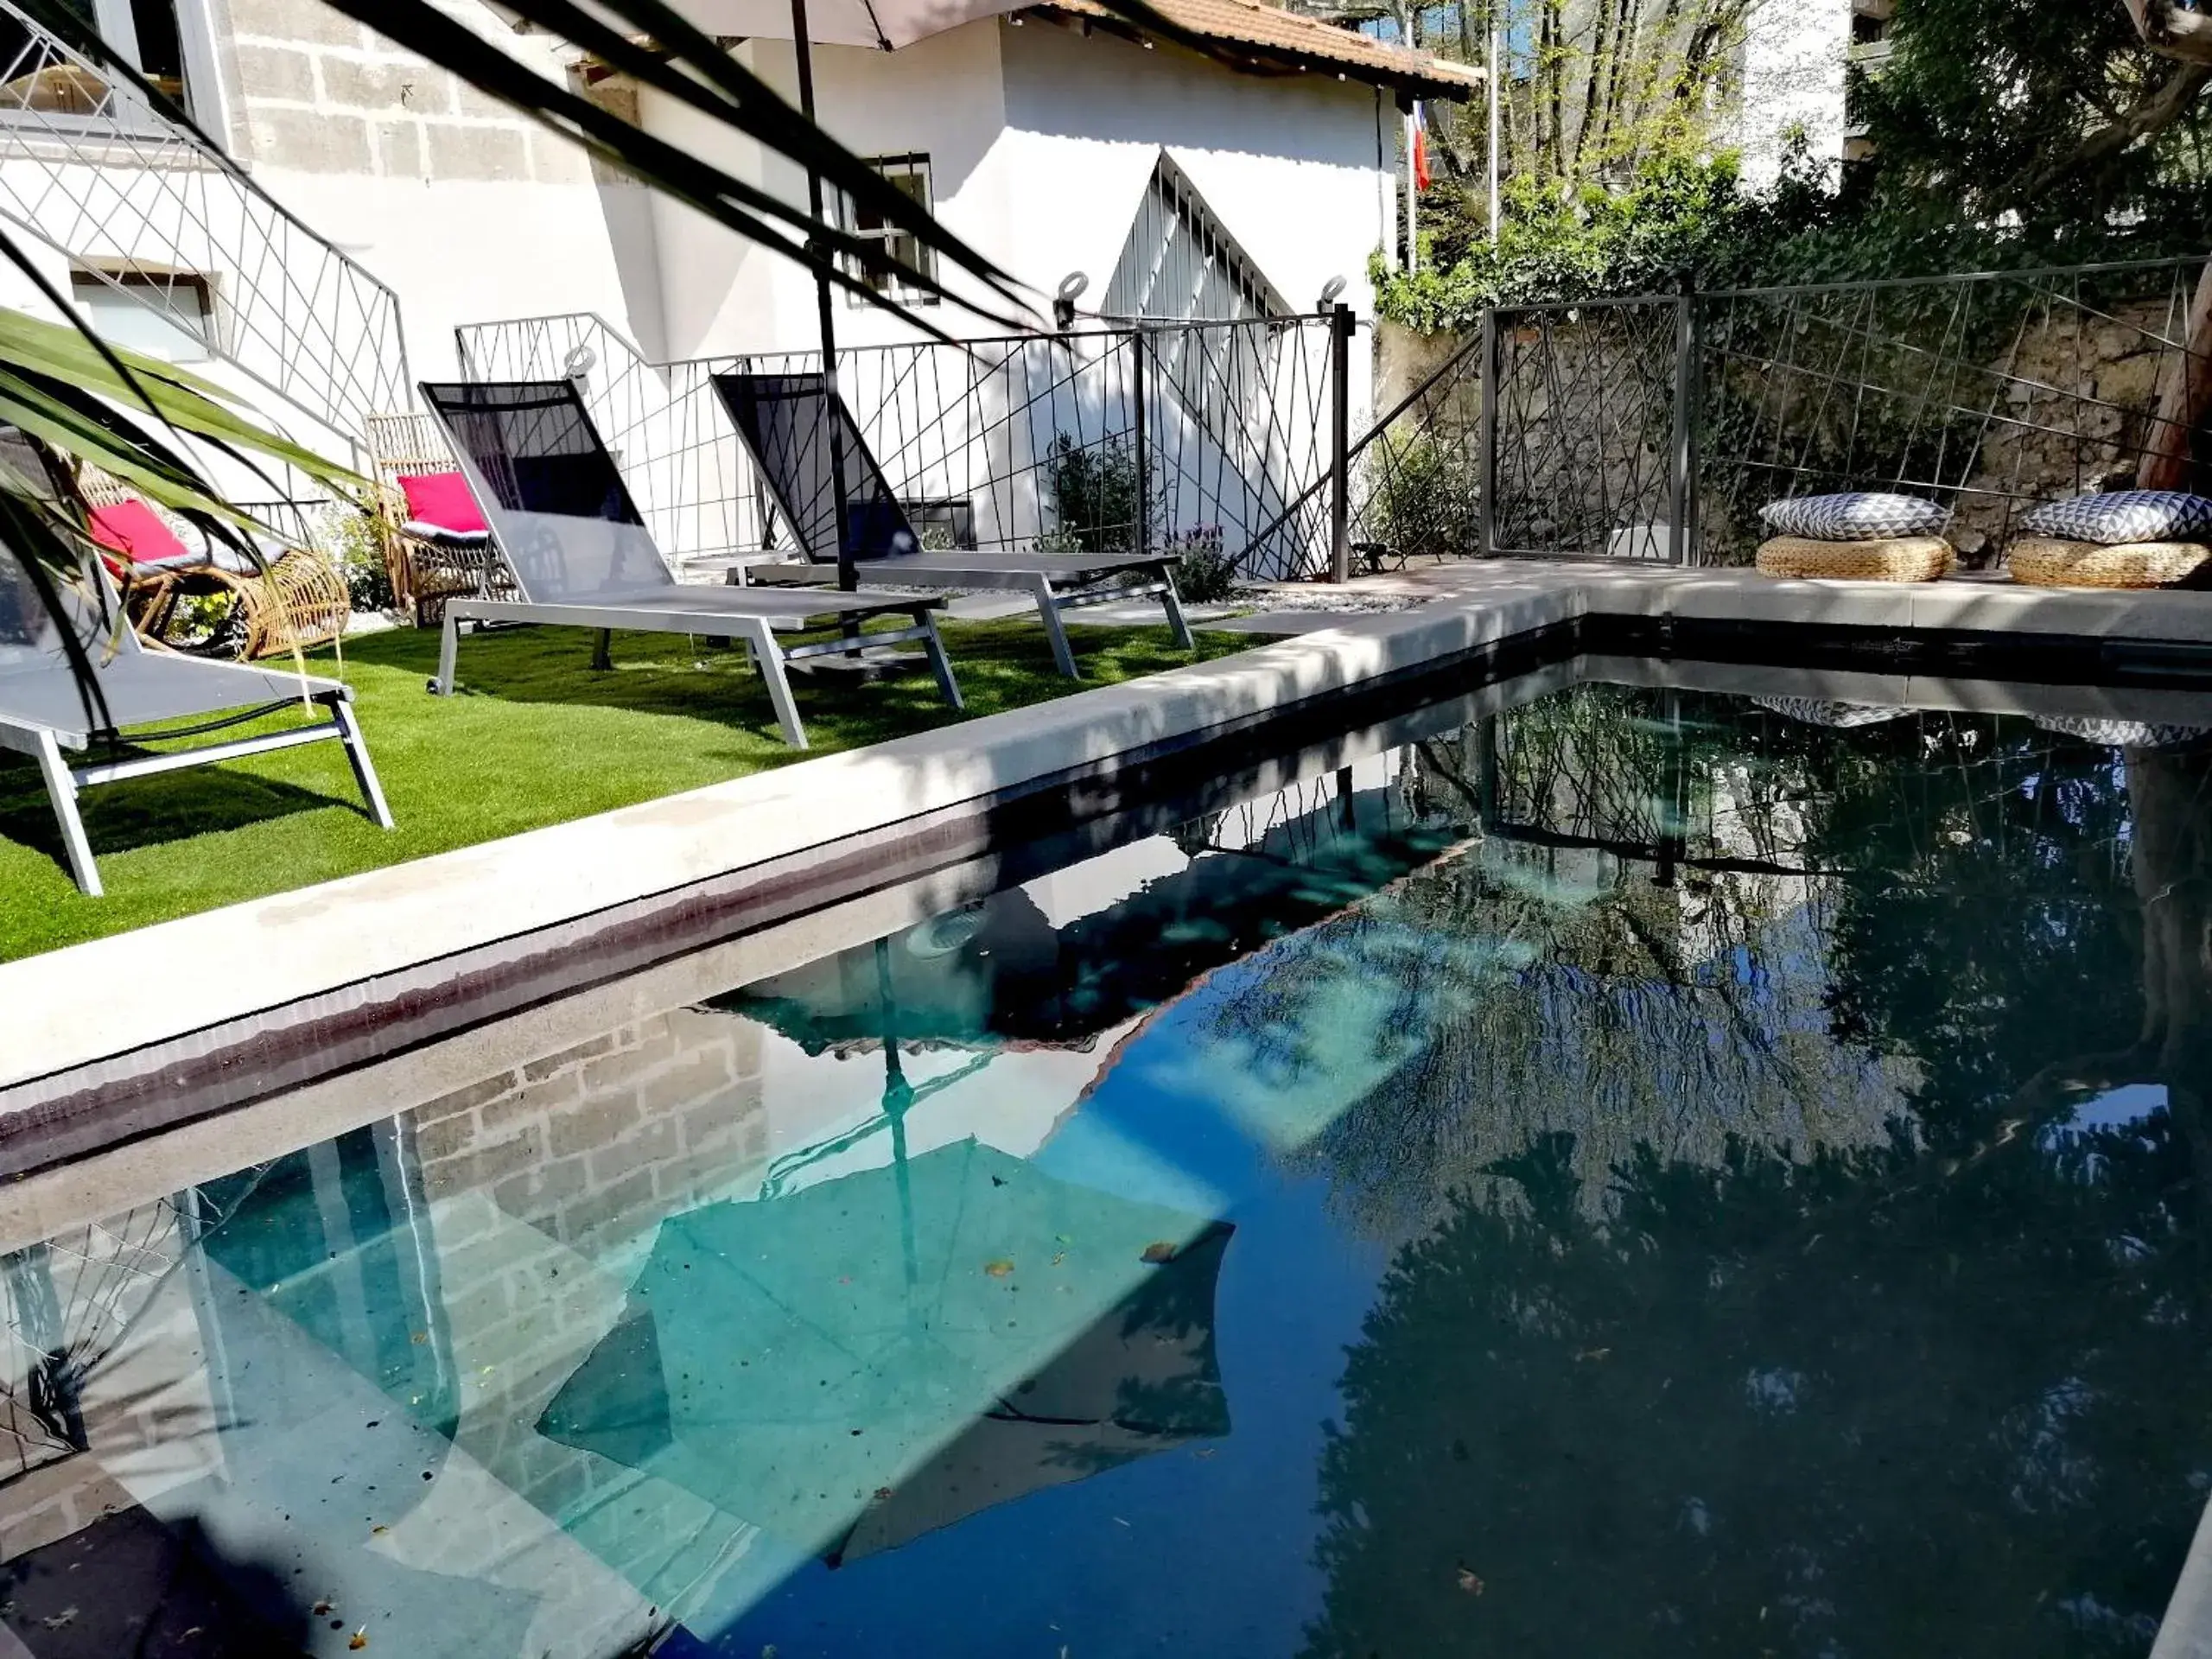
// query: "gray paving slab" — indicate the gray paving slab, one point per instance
point(237, 962)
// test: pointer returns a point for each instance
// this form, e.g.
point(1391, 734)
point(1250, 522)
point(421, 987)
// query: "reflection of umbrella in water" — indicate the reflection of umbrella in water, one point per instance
point(874, 1356)
point(1831, 712)
point(998, 974)
point(2111, 733)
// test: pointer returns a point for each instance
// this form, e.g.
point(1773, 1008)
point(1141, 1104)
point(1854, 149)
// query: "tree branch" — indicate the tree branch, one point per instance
point(2166, 27)
point(2153, 112)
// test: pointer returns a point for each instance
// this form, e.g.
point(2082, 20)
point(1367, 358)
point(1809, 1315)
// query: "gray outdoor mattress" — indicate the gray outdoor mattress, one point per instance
point(662, 608)
point(142, 689)
point(958, 569)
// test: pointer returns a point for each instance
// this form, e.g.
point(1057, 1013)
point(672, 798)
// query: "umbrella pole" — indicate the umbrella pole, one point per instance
point(898, 1095)
point(825, 316)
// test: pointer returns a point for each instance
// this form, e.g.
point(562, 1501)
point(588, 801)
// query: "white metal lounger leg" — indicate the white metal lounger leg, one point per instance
point(940, 662)
point(357, 751)
point(1048, 611)
point(448, 655)
point(769, 658)
point(1171, 602)
point(61, 790)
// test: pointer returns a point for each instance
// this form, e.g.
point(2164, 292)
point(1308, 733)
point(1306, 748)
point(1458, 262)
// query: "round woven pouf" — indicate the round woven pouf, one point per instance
point(1900, 558)
point(2087, 565)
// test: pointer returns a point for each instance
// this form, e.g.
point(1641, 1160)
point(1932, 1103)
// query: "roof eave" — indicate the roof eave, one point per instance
point(1412, 80)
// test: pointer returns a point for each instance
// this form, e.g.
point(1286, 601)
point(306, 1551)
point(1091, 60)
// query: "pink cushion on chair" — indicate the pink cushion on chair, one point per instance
point(135, 531)
point(442, 498)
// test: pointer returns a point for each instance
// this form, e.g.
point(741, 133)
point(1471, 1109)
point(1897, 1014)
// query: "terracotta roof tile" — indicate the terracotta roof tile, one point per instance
point(1273, 33)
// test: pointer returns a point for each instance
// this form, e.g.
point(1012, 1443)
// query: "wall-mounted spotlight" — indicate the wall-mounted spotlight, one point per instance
point(580, 362)
point(1332, 291)
point(1071, 290)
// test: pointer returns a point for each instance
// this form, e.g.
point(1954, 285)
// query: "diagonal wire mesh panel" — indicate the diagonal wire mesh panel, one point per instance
point(143, 205)
point(1988, 392)
point(1585, 413)
point(1099, 439)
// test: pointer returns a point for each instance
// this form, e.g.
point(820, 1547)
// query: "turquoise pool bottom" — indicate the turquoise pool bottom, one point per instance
point(1643, 1175)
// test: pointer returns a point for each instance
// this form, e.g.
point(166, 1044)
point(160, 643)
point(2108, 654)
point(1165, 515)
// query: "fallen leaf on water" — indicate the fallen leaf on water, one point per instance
point(67, 1615)
point(999, 1269)
point(378, 1532)
point(883, 1494)
point(321, 1609)
point(1164, 1250)
point(358, 1640)
point(1470, 1583)
point(418, 1338)
point(1592, 1353)
point(1059, 1257)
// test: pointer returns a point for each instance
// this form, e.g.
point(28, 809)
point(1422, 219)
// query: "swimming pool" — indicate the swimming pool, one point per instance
point(1597, 1166)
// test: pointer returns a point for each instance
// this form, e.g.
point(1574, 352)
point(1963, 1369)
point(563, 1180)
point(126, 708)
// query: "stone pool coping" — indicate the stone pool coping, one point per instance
point(66, 1010)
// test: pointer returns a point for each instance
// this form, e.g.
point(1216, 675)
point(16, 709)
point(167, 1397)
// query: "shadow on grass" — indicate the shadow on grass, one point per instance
point(998, 665)
point(151, 812)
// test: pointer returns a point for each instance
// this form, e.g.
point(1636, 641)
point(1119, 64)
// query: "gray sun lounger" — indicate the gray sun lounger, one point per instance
point(792, 427)
point(581, 556)
point(43, 711)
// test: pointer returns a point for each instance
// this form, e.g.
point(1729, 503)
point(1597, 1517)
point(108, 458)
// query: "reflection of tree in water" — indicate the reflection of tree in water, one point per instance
point(1936, 1395)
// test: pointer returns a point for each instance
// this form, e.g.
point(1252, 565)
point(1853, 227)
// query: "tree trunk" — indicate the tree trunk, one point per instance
point(2166, 28)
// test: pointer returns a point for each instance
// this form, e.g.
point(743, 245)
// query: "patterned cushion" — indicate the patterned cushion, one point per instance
point(1854, 516)
point(2118, 516)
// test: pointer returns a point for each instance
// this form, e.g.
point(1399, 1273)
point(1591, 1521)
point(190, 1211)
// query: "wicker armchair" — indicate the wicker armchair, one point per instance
point(220, 606)
point(425, 573)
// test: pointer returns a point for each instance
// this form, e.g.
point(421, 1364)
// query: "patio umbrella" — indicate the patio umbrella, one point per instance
point(872, 1357)
point(886, 24)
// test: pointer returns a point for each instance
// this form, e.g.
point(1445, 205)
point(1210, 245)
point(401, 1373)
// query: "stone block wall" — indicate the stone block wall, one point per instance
point(605, 1139)
point(544, 1181)
point(318, 92)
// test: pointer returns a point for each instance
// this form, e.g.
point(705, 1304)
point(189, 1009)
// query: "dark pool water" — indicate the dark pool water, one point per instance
point(1643, 1173)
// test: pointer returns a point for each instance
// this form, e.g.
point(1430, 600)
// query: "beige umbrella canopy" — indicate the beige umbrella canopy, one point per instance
point(886, 23)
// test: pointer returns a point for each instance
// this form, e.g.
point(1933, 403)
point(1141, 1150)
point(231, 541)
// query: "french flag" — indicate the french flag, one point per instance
point(1422, 177)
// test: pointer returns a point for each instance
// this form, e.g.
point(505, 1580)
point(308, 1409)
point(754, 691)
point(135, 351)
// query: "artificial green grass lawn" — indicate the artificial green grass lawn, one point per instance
point(535, 737)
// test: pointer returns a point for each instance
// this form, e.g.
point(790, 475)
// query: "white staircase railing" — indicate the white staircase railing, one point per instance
point(150, 209)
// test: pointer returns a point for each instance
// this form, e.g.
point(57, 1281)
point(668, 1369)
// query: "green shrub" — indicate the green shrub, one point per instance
point(1095, 496)
point(1208, 571)
point(354, 541)
point(1424, 499)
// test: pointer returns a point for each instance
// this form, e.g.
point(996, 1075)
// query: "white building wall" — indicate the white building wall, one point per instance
point(1793, 53)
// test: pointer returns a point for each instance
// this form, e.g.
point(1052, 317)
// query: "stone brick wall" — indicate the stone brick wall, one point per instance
point(543, 1182)
point(605, 1139)
point(320, 93)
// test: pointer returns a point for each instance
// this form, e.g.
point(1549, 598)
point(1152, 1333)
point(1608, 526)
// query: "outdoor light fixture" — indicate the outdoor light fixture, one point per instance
point(580, 362)
point(1071, 290)
point(1329, 292)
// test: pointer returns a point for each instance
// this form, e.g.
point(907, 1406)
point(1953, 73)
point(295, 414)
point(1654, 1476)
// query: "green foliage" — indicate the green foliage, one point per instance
point(1094, 495)
point(2001, 140)
point(1999, 114)
point(1424, 498)
point(537, 737)
point(1679, 217)
point(355, 542)
point(1208, 571)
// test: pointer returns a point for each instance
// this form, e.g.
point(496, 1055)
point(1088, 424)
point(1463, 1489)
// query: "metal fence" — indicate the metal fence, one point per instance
point(149, 210)
point(1655, 426)
point(1153, 435)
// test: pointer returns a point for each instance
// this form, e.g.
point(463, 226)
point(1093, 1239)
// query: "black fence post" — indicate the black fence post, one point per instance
point(1681, 509)
point(1340, 333)
point(1486, 460)
point(1138, 359)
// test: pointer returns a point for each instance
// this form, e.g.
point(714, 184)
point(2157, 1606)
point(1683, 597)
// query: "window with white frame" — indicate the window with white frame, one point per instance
point(910, 176)
point(165, 39)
